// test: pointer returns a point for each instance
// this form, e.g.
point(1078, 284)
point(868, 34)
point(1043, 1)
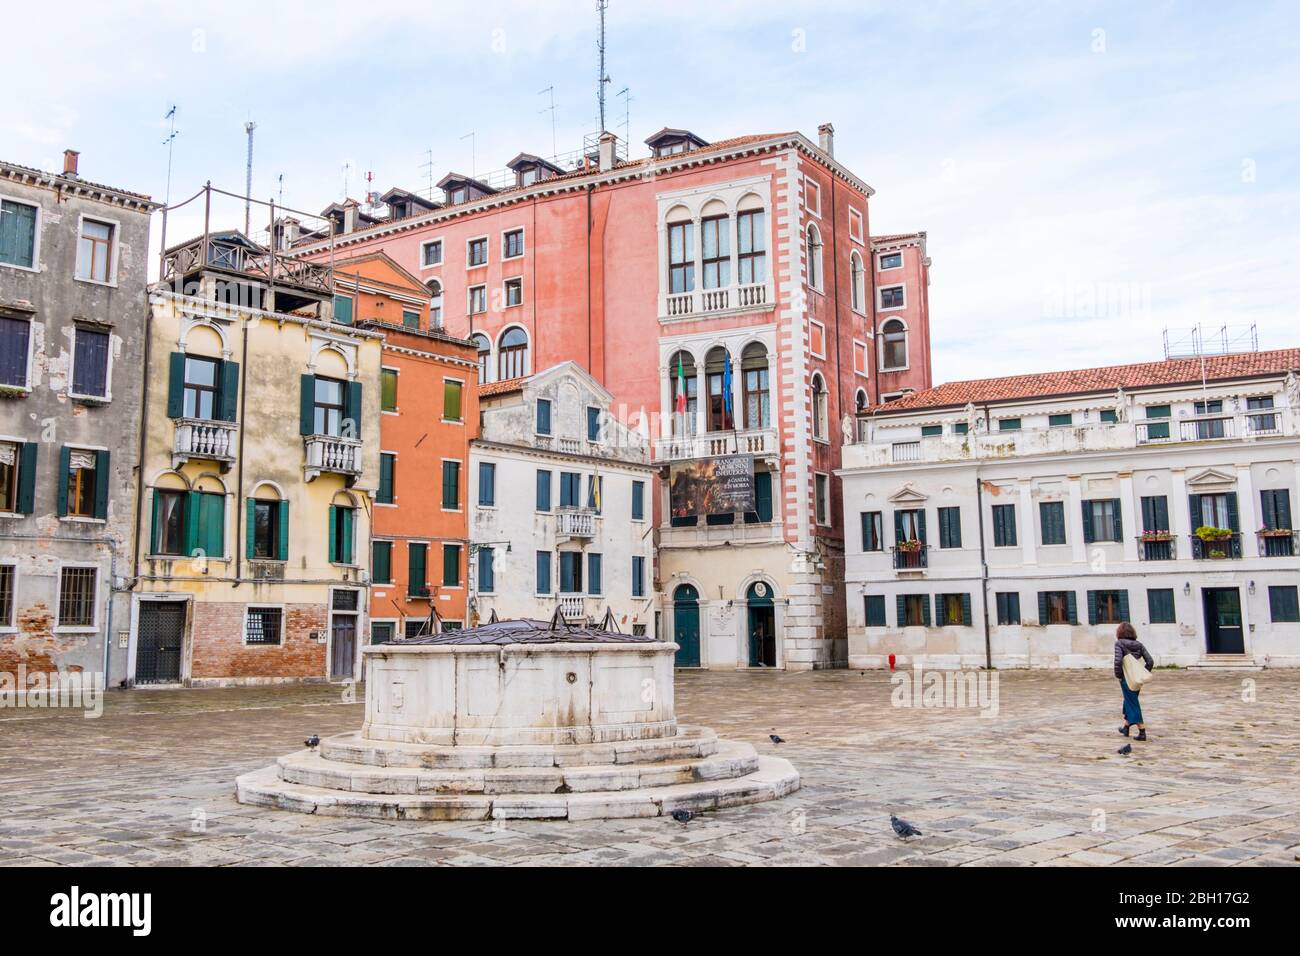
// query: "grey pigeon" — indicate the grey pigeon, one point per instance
point(683, 816)
point(775, 739)
point(1125, 750)
point(312, 741)
point(903, 828)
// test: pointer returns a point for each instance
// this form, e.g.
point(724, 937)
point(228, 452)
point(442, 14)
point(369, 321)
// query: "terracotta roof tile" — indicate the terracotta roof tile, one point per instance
point(500, 388)
point(1107, 378)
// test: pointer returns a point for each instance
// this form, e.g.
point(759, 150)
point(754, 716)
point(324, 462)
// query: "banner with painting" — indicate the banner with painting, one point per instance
point(711, 486)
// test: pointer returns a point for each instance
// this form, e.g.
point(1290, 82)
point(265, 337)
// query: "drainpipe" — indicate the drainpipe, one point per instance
point(984, 571)
point(589, 368)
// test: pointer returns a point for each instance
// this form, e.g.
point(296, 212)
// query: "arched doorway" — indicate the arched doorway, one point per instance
point(762, 625)
point(686, 625)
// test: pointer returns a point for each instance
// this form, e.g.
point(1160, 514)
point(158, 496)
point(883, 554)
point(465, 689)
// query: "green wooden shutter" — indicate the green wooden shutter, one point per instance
point(898, 527)
point(212, 525)
point(1194, 506)
point(229, 411)
point(352, 407)
point(155, 530)
point(417, 569)
point(27, 478)
point(250, 527)
point(1087, 522)
point(902, 610)
point(1123, 606)
point(176, 385)
point(763, 495)
point(1118, 514)
point(451, 401)
point(920, 524)
point(384, 495)
point(1042, 607)
point(1282, 503)
point(1071, 607)
point(282, 551)
point(191, 524)
point(380, 561)
point(65, 466)
point(593, 573)
point(543, 572)
point(925, 613)
point(347, 516)
point(103, 478)
point(307, 405)
point(334, 524)
point(939, 616)
point(866, 529)
point(1234, 522)
point(1268, 509)
point(965, 609)
point(343, 309)
point(1092, 607)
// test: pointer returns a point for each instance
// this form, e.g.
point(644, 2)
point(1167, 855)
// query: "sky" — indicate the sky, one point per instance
point(1089, 175)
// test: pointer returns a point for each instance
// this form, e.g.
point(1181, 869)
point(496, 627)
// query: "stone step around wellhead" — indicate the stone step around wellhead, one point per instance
point(772, 778)
point(311, 769)
point(690, 743)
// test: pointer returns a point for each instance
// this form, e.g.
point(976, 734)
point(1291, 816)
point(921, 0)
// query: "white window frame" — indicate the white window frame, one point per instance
point(881, 351)
point(523, 243)
point(858, 286)
point(451, 511)
point(36, 241)
point(505, 294)
point(264, 607)
point(441, 253)
point(816, 282)
point(463, 393)
point(108, 365)
point(880, 297)
point(812, 189)
point(902, 260)
point(469, 300)
point(487, 246)
point(31, 344)
point(865, 371)
point(11, 626)
point(93, 627)
point(114, 245)
point(813, 323)
point(825, 520)
point(855, 216)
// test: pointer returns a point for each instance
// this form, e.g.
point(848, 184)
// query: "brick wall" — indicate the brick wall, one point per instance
point(36, 646)
point(217, 649)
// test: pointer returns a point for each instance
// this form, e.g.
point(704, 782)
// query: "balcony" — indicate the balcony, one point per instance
point(332, 454)
point(243, 257)
point(915, 558)
point(573, 607)
point(1218, 549)
point(575, 523)
point(1152, 547)
point(907, 451)
point(750, 441)
point(1280, 543)
point(418, 592)
point(704, 302)
point(1207, 428)
point(201, 438)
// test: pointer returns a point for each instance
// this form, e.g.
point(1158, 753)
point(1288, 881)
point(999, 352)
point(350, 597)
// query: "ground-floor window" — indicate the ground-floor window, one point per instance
point(264, 625)
point(1107, 607)
point(875, 610)
point(1008, 607)
point(952, 610)
point(6, 595)
point(77, 597)
point(913, 610)
point(382, 632)
point(1057, 607)
point(1160, 605)
point(1283, 604)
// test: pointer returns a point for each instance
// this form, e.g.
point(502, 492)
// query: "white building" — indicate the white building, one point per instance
point(1017, 520)
point(562, 515)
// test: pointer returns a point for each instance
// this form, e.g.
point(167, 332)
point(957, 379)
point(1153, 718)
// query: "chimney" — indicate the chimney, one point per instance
point(70, 163)
point(826, 138)
point(349, 216)
point(607, 141)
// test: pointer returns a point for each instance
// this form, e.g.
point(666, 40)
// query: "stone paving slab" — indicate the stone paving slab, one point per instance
point(152, 780)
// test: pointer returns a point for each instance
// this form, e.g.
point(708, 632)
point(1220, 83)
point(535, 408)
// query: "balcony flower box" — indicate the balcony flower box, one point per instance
point(1208, 534)
point(912, 546)
point(1275, 532)
point(1152, 536)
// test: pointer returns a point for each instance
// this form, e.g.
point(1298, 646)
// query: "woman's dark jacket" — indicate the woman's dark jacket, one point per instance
point(1125, 646)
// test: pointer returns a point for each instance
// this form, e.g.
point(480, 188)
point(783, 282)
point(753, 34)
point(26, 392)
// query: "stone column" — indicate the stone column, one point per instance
point(737, 413)
point(1074, 520)
point(1247, 512)
point(1028, 540)
point(666, 401)
point(1179, 518)
point(1128, 512)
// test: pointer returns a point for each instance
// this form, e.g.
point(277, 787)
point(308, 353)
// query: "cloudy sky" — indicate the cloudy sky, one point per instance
point(1089, 174)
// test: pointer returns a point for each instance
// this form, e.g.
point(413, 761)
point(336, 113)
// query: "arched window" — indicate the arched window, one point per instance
point(719, 378)
point(751, 241)
point(893, 353)
point(484, 348)
point(435, 303)
point(813, 251)
point(860, 400)
point(715, 245)
point(857, 275)
point(685, 392)
point(819, 407)
point(512, 354)
point(681, 251)
point(753, 363)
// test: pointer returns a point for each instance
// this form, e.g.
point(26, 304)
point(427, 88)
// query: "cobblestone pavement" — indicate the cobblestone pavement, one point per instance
point(1039, 784)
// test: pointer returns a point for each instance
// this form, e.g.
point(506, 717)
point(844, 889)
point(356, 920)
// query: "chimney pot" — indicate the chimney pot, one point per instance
point(826, 138)
point(70, 162)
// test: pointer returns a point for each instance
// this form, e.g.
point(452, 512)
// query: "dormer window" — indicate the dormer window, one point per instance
point(459, 194)
point(671, 142)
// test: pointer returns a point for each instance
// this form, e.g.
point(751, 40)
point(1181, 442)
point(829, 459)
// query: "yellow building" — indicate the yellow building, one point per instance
point(260, 461)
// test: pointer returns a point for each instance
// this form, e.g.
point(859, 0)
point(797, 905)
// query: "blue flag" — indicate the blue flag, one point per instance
point(726, 382)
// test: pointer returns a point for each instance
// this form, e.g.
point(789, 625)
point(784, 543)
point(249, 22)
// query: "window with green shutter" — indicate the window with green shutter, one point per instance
point(417, 570)
point(950, 527)
point(1107, 607)
point(762, 499)
point(1283, 604)
point(387, 466)
point(543, 416)
point(342, 519)
point(593, 424)
point(343, 309)
point(952, 610)
point(451, 390)
point(451, 565)
point(1004, 526)
point(1109, 416)
point(1057, 607)
point(1160, 606)
point(451, 485)
point(1008, 607)
point(929, 431)
point(1056, 421)
point(1275, 508)
point(593, 572)
point(486, 575)
point(410, 319)
point(381, 562)
point(1008, 424)
point(388, 389)
point(874, 607)
point(638, 576)
point(543, 490)
point(24, 493)
point(1051, 516)
point(208, 537)
point(267, 531)
point(543, 572)
point(487, 484)
point(1158, 428)
point(638, 500)
point(18, 234)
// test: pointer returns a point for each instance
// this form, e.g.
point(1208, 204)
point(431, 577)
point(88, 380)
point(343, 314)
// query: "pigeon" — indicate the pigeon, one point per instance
point(775, 739)
point(683, 816)
point(312, 741)
point(903, 828)
point(1125, 750)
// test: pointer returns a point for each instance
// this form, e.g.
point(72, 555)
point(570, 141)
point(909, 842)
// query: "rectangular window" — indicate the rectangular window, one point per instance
point(543, 572)
point(1160, 606)
point(873, 538)
point(915, 610)
point(681, 257)
point(417, 570)
point(909, 525)
point(514, 292)
point(476, 253)
point(1214, 427)
point(1051, 515)
point(960, 428)
point(1283, 604)
point(594, 584)
point(638, 576)
point(77, 597)
point(486, 576)
point(263, 625)
point(477, 301)
point(1157, 429)
point(382, 632)
point(890, 260)
point(1258, 422)
point(1004, 526)
point(451, 485)
point(266, 529)
point(543, 490)
point(14, 336)
point(931, 431)
point(328, 407)
point(18, 234)
point(81, 483)
point(892, 297)
point(6, 595)
point(1057, 607)
point(855, 225)
point(1008, 424)
point(388, 389)
point(451, 565)
point(821, 499)
point(431, 253)
point(638, 501)
point(11, 455)
point(593, 424)
point(487, 483)
point(387, 467)
point(1102, 520)
point(1107, 607)
point(950, 527)
point(751, 246)
point(169, 522)
point(1056, 421)
point(1275, 509)
point(512, 244)
point(543, 416)
point(1109, 416)
point(90, 362)
point(95, 251)
point(1008, 607)
point(715, 251)
point(570, 489)
point(342, 521)
point(812, 196)
point(343, 309)
point(874, 607)
point(451, 394)
point(202, 383)
point(381, 562)
point(410, 320)
point(762, 499)
point(570, 572)
point(952, 610)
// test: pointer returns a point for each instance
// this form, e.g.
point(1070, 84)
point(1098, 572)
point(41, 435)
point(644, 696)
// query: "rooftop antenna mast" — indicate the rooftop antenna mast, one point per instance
point(473, 156)
point(603, 78)
point(427, 166)
point(280, 179)
point(248, 178)
point(550, 109)
point(170, 142)
point(627, 111)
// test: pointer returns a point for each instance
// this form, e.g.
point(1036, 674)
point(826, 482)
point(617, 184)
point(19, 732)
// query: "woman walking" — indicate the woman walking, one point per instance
point(1126, 643)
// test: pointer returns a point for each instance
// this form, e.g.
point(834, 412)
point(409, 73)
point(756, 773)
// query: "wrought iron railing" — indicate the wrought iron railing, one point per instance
point(915, 558)
point(1216, 549)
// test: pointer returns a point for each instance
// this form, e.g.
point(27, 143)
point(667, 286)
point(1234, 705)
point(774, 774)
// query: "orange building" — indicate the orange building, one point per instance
point(428, 414)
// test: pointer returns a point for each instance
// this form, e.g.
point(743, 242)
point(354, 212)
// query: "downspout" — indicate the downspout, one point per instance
point(589, 369)
point(984, 570)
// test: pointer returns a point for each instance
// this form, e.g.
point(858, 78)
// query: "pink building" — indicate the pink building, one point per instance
point(739, 272)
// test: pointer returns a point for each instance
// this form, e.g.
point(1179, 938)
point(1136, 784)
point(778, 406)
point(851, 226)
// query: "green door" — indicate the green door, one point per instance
point(762, 625)
point(686, 625)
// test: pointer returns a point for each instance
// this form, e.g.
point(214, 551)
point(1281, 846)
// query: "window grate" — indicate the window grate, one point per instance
point(265, 625)
point(77, 597)
point(6, 595)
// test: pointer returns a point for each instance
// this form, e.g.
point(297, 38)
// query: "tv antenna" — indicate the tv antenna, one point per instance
point(473, 158)
point(602, 78)
point(248, 178)
point(170, 142)
point(427, 166)
point(550, 109)
point(626, 93)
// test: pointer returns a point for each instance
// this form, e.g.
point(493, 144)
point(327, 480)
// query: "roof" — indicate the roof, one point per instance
point(528, 159)
point(454, 177)
point(898, 237)
point(77, 183)
point(669, 133)
point(1106, 378)
point(526, 631)
point(407, 196)
point(501, 387)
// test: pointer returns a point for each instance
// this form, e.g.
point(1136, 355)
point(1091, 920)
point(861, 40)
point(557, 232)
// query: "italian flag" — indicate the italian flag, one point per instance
point(680, 406)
